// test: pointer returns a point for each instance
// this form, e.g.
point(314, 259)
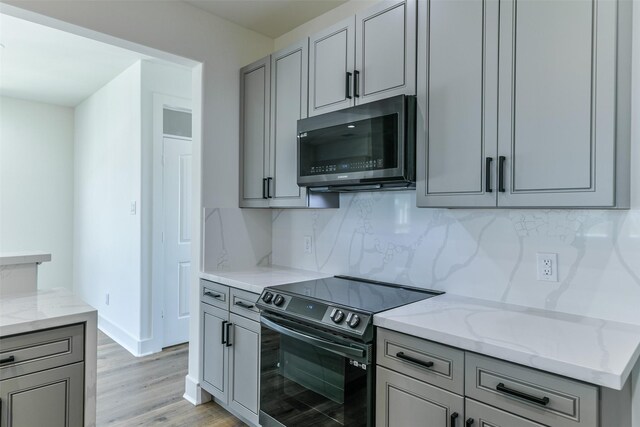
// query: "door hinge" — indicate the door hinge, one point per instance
point(162, 237)
point(163, 159)
point(162, 313)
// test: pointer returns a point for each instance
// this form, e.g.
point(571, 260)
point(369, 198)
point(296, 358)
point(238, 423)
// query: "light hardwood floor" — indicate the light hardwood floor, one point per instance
point(147, 391)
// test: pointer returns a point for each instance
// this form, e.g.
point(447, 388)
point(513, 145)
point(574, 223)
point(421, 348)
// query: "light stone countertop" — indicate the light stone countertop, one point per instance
point(256, 279)
point(30, 311)
point(12, 258)
point(592, 350)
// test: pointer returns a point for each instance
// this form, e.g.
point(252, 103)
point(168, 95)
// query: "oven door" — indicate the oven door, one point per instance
point(306, 379)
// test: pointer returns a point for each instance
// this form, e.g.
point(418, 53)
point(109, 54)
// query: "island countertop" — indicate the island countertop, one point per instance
point(42, 309)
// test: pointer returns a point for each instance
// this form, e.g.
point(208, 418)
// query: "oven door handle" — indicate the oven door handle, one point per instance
point(338, 349)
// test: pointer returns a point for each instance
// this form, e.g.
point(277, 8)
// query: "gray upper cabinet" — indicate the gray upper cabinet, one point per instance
point(385, 51)
point(457, 103)
point(526, 108)
point(273, 95)
point(364, 59)
point(289, 84)
point(557, 116)
point(331, 65)
point(255, 87)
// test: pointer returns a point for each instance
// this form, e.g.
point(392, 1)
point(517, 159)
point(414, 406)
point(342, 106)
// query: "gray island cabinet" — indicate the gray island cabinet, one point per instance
point(48, 360)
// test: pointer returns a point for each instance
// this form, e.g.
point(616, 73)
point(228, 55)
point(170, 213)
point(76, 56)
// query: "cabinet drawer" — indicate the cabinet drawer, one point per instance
point(214, 293)
point(244, 304)
point(539, 396)
point(427, 361)
point(37, 351)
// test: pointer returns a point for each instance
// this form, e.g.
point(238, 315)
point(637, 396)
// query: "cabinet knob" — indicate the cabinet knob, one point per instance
point(469, 422)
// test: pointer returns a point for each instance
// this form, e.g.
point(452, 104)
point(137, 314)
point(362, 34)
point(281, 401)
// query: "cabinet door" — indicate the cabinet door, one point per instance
point(385, 51)
point(245, 367)
point(404, 401)
point(289, 84)
point(457, 103)
point(331, 63)
point(557, 102)
point(488, 416)
point(215, 363)
point(52, 398)
point(255, 87)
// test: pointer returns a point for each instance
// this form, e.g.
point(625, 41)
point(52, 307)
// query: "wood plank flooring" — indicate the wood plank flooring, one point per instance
point(147, 391)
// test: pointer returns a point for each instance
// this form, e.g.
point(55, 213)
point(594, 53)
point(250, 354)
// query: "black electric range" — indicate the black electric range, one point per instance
point(340, 304)
point(317, 350)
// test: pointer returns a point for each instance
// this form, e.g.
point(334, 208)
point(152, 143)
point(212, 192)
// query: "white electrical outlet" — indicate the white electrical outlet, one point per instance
point(106, 299)
point(132, 208)
point(547, 267)
point(308, 245)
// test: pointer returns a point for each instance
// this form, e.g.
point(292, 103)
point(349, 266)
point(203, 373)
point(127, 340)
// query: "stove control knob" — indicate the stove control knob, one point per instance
point(354, 321)
point(267, 297)
point(278, 300)
point(338, 316)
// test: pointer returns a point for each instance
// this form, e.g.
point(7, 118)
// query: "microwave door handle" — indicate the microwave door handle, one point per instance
point(339, 349)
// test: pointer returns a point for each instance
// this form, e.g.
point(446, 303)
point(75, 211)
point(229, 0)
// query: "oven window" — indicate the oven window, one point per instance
point(301, 384)
point(363, 145)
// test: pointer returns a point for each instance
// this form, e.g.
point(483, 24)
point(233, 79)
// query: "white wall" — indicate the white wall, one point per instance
point(346, 10)
point(36, 185)
point(107, 238)
point(488, 254)
point(222, 48)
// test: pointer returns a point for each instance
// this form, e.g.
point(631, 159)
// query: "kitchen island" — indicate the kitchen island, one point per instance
point(48, 359)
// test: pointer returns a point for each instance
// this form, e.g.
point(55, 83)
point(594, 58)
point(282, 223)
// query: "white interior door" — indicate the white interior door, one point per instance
point(176, 179)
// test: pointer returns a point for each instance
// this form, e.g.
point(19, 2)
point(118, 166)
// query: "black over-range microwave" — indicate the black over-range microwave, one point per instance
point(364, 148)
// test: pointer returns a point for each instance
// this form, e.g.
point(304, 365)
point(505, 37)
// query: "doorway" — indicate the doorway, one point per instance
point(173, 204)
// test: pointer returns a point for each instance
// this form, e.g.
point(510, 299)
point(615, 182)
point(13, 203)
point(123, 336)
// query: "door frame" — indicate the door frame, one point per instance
point(160, 102)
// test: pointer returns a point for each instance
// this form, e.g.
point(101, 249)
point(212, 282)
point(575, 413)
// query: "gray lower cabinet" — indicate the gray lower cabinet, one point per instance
point(512, 116)
point(52, 398)
point(215, 374)
point(404, 401)
point(244, 367)
point(231, 348)
point(486, 416)
point(420, 382)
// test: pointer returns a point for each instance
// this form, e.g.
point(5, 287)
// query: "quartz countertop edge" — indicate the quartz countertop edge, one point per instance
point(257, 278)
point(42, 309)
point(592, 350)
point(14, 258)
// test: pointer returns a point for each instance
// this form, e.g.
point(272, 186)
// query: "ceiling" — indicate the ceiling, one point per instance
point(272, 18)
point(42, 64)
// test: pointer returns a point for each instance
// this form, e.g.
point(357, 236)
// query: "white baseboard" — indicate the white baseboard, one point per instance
point(133, 345)
point(193, 393)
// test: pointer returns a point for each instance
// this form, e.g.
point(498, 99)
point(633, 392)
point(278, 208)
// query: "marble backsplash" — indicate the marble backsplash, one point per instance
point(488, 254)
